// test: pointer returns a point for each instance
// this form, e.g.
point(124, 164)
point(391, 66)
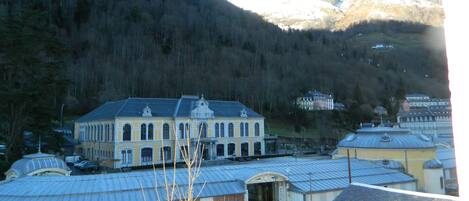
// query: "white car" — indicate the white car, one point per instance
point(70, 160)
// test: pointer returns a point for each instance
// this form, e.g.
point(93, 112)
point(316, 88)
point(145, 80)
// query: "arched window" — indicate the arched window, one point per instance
point(203, 130)
point(106, 131)
point(188, 130)
point(217, 130)
point(112, 132)
point(146, 155)
point(257, 148)
point(241, 129)
point(181, 131)
point(101, 127)
point(143, 132)
point(230, 130)
point(166, 131)
point(126, 133)
point(150, 131)
point(246, 129)
point(256, 129)
point(94, 133)
point(222, 130)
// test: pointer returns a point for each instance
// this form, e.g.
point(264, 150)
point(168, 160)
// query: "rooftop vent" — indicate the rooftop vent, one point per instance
point(385, 138)
point(424, 138)
point(350, 137)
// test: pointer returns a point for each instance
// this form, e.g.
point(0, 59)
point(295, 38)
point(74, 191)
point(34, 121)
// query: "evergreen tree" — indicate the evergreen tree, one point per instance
point(401, 90)
point(31, 78)
point(357, 94)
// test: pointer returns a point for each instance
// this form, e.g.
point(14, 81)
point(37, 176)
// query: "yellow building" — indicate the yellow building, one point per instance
point(143, 131)
point(385, 144)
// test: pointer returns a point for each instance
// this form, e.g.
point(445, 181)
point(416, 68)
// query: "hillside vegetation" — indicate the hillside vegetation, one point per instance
point(161, 48)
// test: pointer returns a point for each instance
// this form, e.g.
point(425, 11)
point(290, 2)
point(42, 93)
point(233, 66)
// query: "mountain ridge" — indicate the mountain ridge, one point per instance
point(341, 14)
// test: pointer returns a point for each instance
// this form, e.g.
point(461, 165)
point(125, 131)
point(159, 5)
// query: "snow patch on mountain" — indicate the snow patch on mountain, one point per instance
point(324, 14)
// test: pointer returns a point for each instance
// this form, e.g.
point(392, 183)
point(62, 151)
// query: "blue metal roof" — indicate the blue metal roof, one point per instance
point(447, 157)
point(364, 192)
point(163, 107)
point(324, 175)
point(386, 138)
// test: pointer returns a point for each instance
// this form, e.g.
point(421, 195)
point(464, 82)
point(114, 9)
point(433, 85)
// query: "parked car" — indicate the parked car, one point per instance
point(77, 165)
point(89, 166)
point(71, 160)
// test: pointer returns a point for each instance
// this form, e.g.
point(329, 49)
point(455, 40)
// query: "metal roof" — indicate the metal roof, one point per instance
point(433, 164)
point(386, 138)
point(324, 175)
point(32, 162)
point(447, 157)
point(163, 107)
point(364, 192)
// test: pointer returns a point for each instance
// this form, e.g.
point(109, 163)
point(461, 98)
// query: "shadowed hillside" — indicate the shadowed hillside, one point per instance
point(162, 48)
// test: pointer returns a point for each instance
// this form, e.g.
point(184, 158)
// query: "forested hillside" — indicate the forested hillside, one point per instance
point(165, 48)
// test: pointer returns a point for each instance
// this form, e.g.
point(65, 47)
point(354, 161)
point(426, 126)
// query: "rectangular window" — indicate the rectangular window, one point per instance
point(220, 150)
point(124, 157)
point(231, 149)
point(257, 148)
point(183, 151)
point(245, 149)
point(129, 157)
point(165, 154)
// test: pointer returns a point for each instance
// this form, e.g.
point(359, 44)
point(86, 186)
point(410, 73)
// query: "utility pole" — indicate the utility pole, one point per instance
point(310, 186)
point(349, 171)
point(62, 116)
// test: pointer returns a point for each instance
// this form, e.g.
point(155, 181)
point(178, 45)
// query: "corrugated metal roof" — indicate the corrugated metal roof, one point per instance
point(163, 107)
point(386, 138)
point(364, 192)
point(447, 157)
point(324, 175)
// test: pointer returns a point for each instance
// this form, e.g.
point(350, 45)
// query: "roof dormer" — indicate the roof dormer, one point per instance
point(201, 110)
point(243, 113)
point(146, 112)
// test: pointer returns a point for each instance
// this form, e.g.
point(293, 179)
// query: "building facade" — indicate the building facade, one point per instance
point(145, 131)
point(421, 100)
point(434, 121)
point(315, 100)
point(395, 144)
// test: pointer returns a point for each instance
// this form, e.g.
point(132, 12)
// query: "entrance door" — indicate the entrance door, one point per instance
point(261, 192)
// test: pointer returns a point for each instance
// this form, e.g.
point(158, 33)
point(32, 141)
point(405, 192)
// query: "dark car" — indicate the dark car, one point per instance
point(88, 166)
